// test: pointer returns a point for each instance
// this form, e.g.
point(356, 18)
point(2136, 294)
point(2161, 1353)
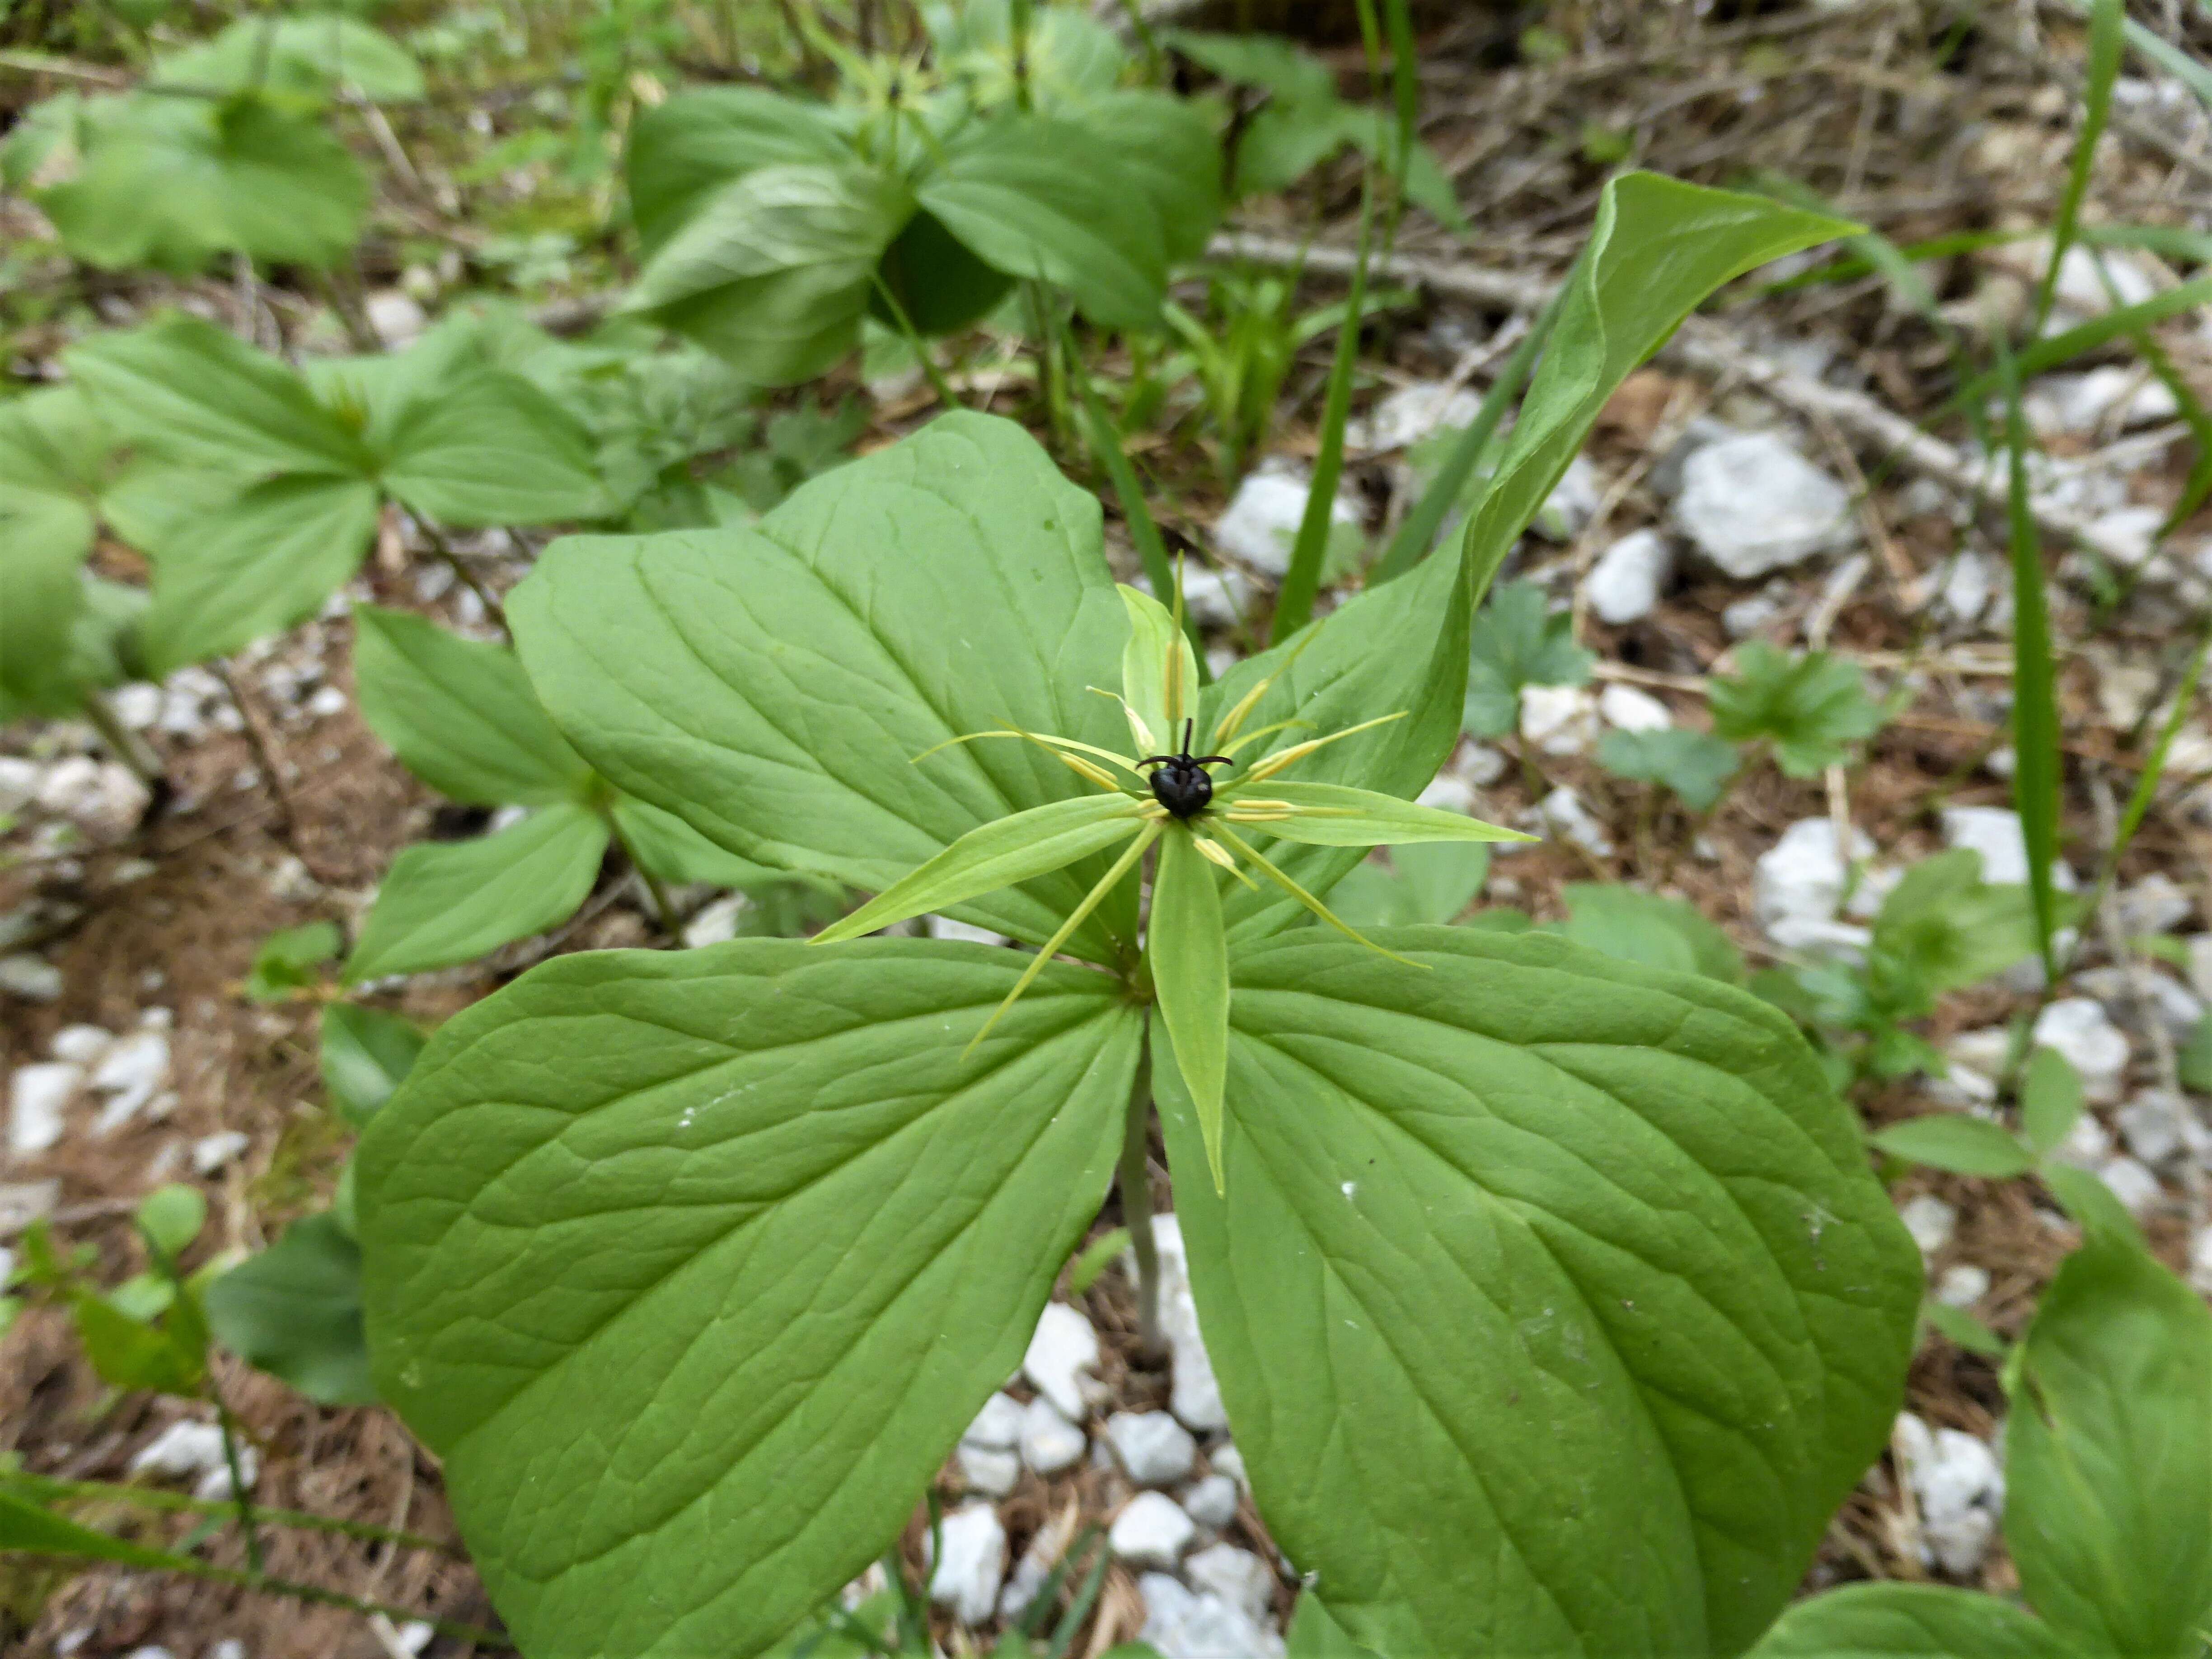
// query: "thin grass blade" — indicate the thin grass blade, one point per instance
point(1294, 603)
point(2035, 704)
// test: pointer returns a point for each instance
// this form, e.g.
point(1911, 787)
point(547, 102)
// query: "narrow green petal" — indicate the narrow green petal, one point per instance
point(1159, 672)
point(999, 855)
point(1190, 974)
point(1331, 815)
point(1121, 866)
point(1276, 875)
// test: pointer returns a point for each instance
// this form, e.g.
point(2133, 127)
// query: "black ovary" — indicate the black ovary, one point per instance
point(1181, 785)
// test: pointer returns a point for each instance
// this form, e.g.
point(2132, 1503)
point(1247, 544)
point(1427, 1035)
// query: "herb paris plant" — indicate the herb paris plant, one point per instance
point(693, 1268)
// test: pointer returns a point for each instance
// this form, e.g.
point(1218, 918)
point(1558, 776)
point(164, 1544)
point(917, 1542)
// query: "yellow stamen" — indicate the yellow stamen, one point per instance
point(1307, 899)
point(1259, 733)
point(1047, 740)
point(1236, 717)
point(1083, 768)
point(1146, 743)
point(1264, 770)
point(1215, 852)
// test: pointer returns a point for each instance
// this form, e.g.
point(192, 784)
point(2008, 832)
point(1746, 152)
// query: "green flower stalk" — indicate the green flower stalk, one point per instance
point(1173, 802)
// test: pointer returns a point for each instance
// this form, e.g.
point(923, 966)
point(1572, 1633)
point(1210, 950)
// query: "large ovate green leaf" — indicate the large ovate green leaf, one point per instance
point(294, 1311)
point(256, 566)
point(1165, 146)
point(1909, 1621)
point(191, 392)
point(1400, 648)
point(52, 450)
point(490, 448)
point(306, 55)
point(171, 181)
point(673, 851)
point(774, 686)
point(692, 1267)
point(459, 714)
point(366, 1055)
point(772, 273)
point(1658, 249)
point(1035, 197)
point(682, 151)
point(2108, 1509)
point(445, 901)
point(936, 282)
point(1552, 1297)
point(999, 854)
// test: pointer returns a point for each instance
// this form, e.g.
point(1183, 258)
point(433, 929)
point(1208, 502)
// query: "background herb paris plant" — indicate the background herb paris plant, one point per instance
point(773, 226)
point(670, 662)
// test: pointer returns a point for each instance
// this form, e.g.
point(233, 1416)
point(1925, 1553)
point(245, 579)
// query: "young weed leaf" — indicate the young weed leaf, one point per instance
point(1518, 641)
point(1695, 766)
point(1810, 708)
point(2108, 1476)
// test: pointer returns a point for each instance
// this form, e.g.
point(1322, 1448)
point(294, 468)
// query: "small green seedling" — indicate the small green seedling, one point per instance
point(1518, 641)
point(1941, 928)
point(1806, 710)
point(2108, 1491)
point(2050, 1106)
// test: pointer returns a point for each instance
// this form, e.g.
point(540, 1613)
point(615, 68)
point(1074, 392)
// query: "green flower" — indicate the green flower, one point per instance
point(1199, 823)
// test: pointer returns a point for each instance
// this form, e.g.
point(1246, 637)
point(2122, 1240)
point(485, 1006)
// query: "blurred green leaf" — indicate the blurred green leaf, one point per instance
point(366, 1055)
point(294, 1311)
point(1695, 765)
point(286, 960)
point(1810, 706)
point(1517, 640)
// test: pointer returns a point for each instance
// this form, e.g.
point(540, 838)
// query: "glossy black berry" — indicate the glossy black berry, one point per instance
point(1181, 783)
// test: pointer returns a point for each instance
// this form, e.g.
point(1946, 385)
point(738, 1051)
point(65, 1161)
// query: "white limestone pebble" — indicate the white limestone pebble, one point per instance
point(211, 1152)
point(31, 978)
point(1930, 1220)
point(1962, 1285)
point(998, 1425)
point(1995, 832)
point(988, 1469)
point(1049, 1442)
point(1259, 526)
point(130, 1074)
point(1753, 505)
point(1559, 719)
point(1186, 1623)
point(1153, 1448)
point(81, 1045)
point(37, 1095)
point(1624, 584)
point(1237, 1576)
point(1150, 1531)
point(1633, 710)
point(1211, 1501)
point(967, 1579)
point(1960, 1489)
point(1061, 1352)
point(1195, 1396)
point(2079, 1029)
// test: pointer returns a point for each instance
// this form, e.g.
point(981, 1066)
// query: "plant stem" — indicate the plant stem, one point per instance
point(444, 548)
point(240, 1498)
point(667, 911)
point(264, 745)
point(938, 383)
point(1135, 1177)
point(122, 743)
